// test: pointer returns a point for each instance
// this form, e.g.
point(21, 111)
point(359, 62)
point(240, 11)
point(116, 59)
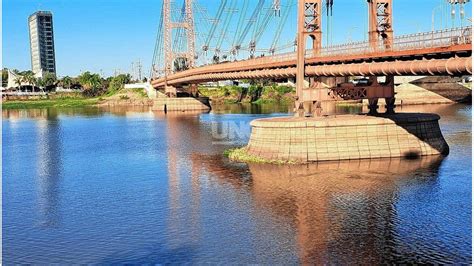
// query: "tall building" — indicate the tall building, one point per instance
point(42, 42)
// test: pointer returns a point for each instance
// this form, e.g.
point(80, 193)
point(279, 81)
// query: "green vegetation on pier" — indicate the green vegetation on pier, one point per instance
point(242, 155)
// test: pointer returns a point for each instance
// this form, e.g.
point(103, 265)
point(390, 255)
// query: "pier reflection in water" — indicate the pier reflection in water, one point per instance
point(341, 212)
point(133, 186)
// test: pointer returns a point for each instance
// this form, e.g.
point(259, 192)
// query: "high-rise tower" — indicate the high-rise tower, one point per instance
point(42, 42)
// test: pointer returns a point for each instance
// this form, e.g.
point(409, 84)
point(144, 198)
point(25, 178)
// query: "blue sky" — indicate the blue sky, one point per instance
point(107, 35)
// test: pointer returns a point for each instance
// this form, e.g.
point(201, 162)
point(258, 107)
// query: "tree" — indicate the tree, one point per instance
point(19, 81)
point(49, 80)
point(34, 83)
point(91, 84)
point(29, 77)
point(66, 82)
point(4, 77)
point(117, 83)
point(40, 83)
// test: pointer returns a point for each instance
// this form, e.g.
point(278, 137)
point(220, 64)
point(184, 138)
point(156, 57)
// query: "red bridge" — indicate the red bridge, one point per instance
point(443, 52)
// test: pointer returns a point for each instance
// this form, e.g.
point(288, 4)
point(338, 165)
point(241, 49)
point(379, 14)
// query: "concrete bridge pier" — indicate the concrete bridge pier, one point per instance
point(313, 135)
point(181, 100)
point(346, 137)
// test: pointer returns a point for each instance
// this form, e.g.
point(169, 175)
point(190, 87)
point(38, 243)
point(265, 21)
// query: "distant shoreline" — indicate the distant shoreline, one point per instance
point(60, 100)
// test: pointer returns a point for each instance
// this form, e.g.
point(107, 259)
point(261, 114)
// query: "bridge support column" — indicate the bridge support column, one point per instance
point(171, 91)
point(390, 105)
point(193, 90)
point(309, 25)
point(373, 106)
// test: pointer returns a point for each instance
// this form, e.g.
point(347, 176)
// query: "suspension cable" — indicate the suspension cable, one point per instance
point(286, 12)
point(158, 52)
point(214, 26)
point(227, 21)
point(241, 22)
point(250, 23)
point(260, 29)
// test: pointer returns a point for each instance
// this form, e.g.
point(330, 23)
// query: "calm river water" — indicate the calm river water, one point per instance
point(90, 186)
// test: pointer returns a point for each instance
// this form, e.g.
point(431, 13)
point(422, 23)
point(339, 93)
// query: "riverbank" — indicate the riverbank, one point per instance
point(48, 103)
point(406, 94)
point(124, 97)
point(429, 90)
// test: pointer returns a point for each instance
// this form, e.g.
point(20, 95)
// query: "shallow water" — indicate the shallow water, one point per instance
point(133, 186)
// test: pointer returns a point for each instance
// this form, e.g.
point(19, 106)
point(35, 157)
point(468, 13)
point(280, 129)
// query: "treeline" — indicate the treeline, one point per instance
point(90, 84)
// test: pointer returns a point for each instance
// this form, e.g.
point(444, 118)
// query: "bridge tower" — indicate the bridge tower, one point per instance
point(188, 25)
point(309, 25)
point(380, 39)
point(380, 23)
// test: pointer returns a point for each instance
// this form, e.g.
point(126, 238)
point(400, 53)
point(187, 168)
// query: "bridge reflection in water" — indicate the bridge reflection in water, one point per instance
point(341, 212)
point(193, 205)
point(338, 212)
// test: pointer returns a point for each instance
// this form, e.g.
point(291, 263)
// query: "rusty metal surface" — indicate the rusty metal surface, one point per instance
point(444, 43)
point(453, 66)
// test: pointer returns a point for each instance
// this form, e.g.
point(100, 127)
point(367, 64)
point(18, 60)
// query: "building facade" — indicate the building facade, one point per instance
point(42, 43)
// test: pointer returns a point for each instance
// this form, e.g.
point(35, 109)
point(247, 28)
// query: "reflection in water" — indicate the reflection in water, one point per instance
point(242, 108)
point(337, 206)
point(49, 168)
point(247, 108)
point(15, 114)
point(158, 191)
point(333, 206)
point(183, 137)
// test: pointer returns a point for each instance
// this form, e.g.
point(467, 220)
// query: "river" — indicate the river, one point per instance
point(131, 186)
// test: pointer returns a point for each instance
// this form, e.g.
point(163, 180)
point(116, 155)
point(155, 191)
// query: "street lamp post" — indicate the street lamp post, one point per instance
point(349, 33)
point(461, 4)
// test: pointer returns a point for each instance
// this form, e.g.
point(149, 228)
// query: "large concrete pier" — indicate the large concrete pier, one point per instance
point(347, 137)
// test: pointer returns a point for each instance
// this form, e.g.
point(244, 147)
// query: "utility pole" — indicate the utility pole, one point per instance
point(139, 70)
point(133, 71)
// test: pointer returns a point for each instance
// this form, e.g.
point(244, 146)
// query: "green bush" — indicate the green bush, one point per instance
point(117, 83)
point(283, 89)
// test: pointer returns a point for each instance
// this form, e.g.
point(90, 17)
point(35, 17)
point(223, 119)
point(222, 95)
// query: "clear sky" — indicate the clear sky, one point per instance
point(107, 35)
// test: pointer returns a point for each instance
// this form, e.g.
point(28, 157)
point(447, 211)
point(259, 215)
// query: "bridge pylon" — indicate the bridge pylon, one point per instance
point(312, 95)
point(381, 38)
point(170, 56)
point(309, 25)
point(380, 24)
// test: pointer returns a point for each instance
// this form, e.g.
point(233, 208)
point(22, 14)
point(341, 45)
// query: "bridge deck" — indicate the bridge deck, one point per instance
point(438, 46)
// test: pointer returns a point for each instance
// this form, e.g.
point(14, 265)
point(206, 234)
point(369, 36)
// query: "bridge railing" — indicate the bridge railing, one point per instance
point(440, 38)
point(423, 40)
point(435, 39)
